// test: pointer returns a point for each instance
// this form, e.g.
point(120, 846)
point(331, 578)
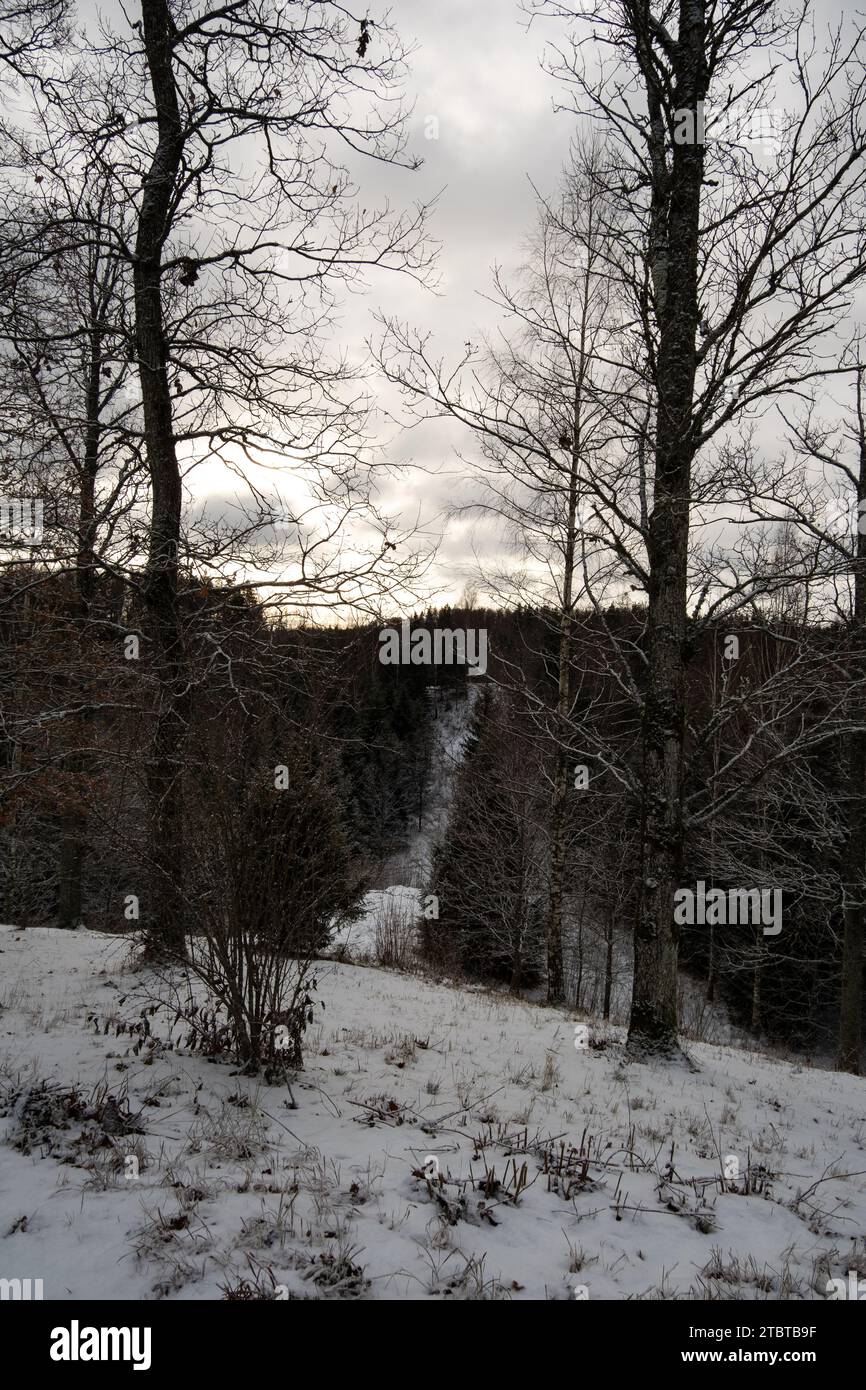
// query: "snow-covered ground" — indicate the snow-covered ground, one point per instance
point(389, 917)
point(445, 1143)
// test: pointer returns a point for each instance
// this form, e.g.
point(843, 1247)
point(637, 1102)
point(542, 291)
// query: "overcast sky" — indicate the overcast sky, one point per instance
point(477, 69)
point(477, 72)
point(484, 124)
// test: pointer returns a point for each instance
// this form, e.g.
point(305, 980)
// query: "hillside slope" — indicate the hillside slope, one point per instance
point(616, 1168)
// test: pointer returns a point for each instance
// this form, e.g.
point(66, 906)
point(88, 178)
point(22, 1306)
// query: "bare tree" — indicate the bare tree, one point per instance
point(538, 402)
point(28, 30)
point(247, 109)
point(70, 437)
point(829, 509)
point(734, 278)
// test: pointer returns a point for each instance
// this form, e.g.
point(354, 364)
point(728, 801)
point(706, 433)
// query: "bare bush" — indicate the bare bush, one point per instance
point(395, 934)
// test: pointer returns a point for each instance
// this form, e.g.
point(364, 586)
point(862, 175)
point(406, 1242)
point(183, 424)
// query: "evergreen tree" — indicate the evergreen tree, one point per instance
point(489, 871)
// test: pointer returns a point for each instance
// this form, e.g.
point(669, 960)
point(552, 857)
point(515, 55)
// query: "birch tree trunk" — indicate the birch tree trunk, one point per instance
point(558, 805)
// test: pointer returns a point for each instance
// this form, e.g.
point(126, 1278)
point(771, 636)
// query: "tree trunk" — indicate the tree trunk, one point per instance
point(558, 803)
point(711, 968)
point(555, 985)
point(851, 1000)
point(73, 826)
point(608, 964)
point(757, 979)
point(164, 927)
point(653, 1022)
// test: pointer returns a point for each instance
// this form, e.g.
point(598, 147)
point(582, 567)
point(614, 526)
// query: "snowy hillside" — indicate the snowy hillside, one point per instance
point(443, 1143)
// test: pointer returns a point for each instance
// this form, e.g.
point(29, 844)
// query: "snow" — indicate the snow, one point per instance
point(451, 717)
point(360, 940)
point(402, 1072)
